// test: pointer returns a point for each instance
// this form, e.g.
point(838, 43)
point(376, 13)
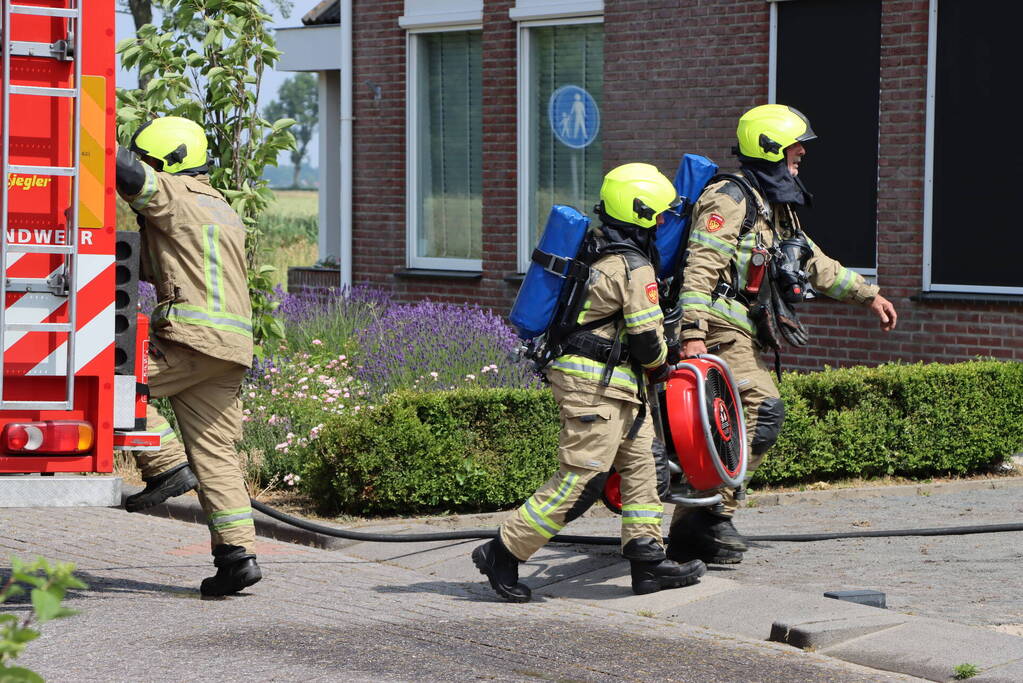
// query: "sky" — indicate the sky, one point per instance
point(271, 81)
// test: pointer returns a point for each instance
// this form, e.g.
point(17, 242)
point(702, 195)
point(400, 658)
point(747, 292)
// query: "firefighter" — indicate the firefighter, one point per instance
point(193, 252)
point(735, 226)
point(601, 403)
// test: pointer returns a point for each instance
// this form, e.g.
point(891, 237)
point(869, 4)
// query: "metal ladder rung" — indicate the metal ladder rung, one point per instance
point(45, 11)
point(43, 92)
point(41, 248)
point(38, 327)
point(36, 405)
point(42, 170)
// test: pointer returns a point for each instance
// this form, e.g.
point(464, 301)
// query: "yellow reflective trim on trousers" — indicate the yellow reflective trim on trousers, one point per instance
point(538, 524)
point(642, 514)
point(227, 513)
point(727, 309)
point(580, 366)
point(231, 525)
point(559, 495)
point(145, 195)
point(535, 514)
point(644, 316)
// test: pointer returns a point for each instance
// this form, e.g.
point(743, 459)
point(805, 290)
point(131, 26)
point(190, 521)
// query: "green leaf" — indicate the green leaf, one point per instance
point(46, 605)
point(16, 674)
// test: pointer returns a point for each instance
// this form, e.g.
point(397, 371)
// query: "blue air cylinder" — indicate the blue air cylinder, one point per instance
point(690, 179)
point(541, 289)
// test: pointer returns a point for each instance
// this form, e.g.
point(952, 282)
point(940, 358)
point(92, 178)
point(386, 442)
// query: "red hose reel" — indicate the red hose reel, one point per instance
point(704, 429)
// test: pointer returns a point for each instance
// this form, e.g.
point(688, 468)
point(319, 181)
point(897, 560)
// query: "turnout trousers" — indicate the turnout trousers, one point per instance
point(761, 404)
point(204, 394)
point(592, 439)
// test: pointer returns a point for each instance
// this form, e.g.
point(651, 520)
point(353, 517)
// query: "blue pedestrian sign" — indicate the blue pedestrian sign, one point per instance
point(574, 116)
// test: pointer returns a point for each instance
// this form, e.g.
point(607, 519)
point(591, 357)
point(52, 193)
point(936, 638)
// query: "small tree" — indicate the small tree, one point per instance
point(141, 12)
point(206, 63)
point(49, 584)
point(297, 99)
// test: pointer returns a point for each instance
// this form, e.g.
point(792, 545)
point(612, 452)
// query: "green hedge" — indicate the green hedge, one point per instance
point(473, 450)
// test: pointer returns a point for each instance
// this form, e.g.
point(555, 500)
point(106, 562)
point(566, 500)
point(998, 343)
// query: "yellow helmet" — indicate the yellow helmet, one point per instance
point(765, 131)
point(178, 144)
point(636, 194)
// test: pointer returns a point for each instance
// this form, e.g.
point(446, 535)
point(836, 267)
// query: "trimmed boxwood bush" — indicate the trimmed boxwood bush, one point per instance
point(480, 449)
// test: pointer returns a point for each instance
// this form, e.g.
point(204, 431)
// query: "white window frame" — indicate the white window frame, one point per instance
point(526, 118)
point(870, 274)
point(412, 156)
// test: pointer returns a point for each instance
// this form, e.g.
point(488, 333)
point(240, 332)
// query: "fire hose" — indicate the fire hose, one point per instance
point(468, 534)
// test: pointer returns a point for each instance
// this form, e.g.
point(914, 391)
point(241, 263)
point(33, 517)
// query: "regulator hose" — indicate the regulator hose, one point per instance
point(614, 540)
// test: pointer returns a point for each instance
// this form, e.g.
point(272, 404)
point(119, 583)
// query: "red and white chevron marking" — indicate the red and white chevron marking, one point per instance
point(45, 353)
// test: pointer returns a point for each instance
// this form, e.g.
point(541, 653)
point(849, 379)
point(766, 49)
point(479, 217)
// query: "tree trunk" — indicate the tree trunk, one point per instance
point(142, 13)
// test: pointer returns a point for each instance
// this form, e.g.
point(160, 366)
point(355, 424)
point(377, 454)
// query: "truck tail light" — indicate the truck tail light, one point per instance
point(60, 437)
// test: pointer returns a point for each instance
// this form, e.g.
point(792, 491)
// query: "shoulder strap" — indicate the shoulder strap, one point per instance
point(753, 204)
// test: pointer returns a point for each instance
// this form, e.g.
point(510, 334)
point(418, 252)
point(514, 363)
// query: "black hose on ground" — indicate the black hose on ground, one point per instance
point(614, 540)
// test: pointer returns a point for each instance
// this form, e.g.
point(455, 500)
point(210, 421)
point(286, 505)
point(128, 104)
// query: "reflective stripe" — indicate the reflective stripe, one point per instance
point(545, 527)
point(211, 261)
point(536, 515)
point(231, 525)
point(842, 284)
point(728, 309)
point(145, 195)
point(179, 313)
point(226, 519)
point(715, 243)
point(166, 432)
point(579, 366)
point(582, 313)
point(642, 514)
point(742, 258)
point(639, 317)
point(559, 496)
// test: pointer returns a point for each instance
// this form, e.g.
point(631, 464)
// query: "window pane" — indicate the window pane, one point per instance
point(975, 216)
point(829, 64)
point(450, 132)
point(563, 171)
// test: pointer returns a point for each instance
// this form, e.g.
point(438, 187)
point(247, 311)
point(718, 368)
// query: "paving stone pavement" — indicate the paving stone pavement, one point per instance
point(329, 615)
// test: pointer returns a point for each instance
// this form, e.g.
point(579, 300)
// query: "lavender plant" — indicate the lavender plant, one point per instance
point(431, 346)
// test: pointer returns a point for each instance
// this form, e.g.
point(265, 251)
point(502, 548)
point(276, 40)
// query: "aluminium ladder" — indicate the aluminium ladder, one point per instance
point(65, 282)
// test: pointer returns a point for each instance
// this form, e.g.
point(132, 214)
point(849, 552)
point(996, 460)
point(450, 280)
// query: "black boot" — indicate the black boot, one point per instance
point(502, 569)
point(709, 530)
point(173, 482)
point(236, 569)
point(679, 553)
point(652, 571)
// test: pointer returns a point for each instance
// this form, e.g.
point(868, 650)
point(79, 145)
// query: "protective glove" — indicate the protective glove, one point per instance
point(659, 374)
point(788, 324)
point(674, 351)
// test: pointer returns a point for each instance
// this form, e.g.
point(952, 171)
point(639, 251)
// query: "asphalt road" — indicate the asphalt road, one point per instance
point(324, 615)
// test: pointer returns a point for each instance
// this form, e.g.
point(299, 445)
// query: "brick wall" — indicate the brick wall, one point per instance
point(711, 66)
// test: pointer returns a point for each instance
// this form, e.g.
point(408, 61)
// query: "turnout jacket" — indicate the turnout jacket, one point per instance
point(717, 253)
point(624, 284)
point(193, 252)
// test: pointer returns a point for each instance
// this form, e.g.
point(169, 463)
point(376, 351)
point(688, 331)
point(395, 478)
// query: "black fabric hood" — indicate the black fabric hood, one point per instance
point(775, 182)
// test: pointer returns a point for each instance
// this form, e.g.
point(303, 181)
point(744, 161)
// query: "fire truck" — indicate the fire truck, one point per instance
point(73, 363)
